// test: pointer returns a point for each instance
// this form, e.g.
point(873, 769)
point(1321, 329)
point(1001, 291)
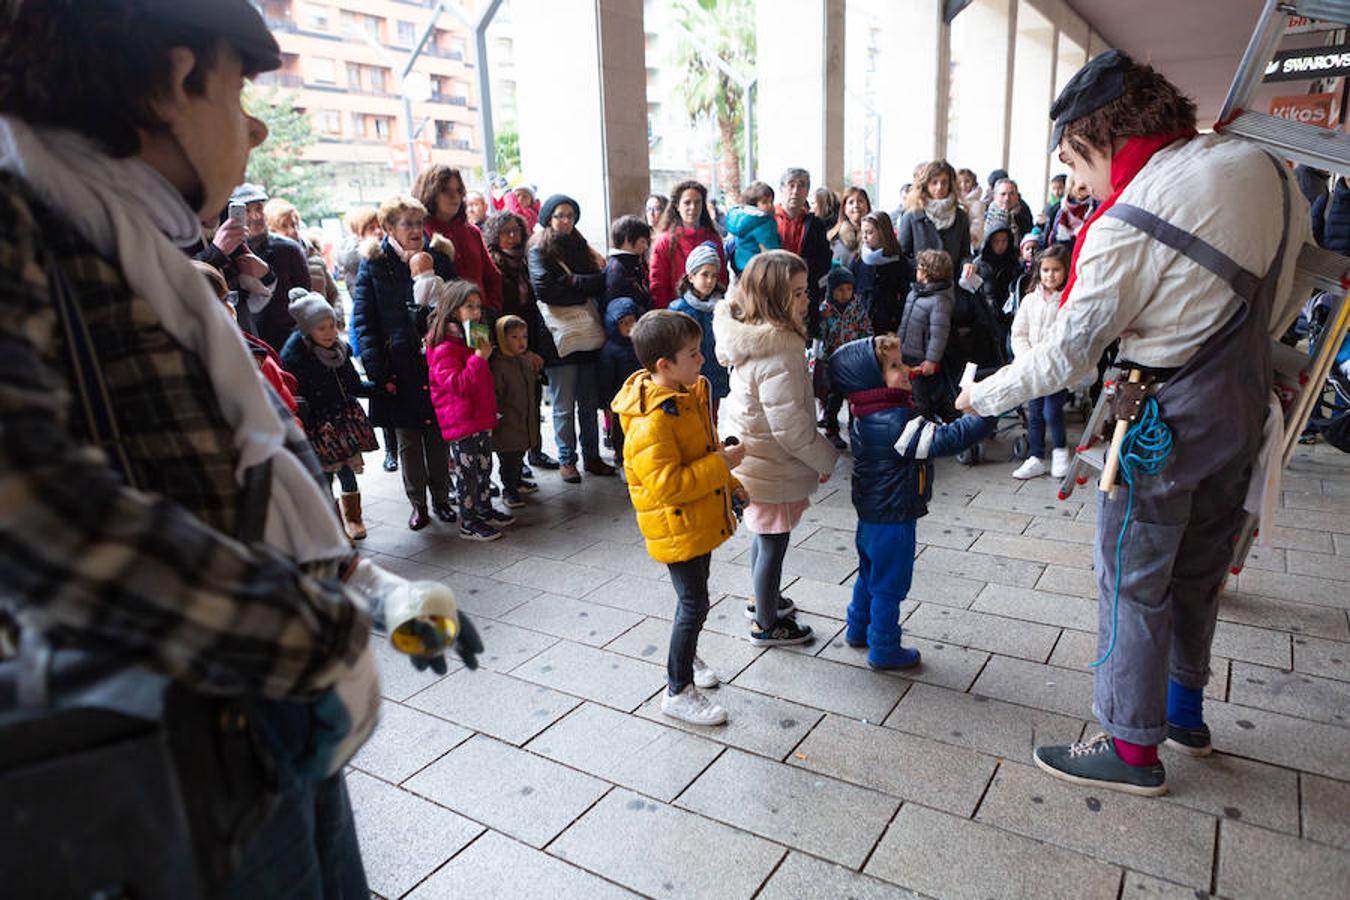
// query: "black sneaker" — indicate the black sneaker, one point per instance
point(782, 634)
point(512, 500)
point(541, 460)
point(527, 487)
point(478, 531)
point(785, 608)
point(526, 471)
point(1095, 763)
point(498, 519)
point(390, 461)
point(445, 511)
point(1191, 741)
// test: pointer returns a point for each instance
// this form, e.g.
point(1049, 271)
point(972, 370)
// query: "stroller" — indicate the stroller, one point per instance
point(1330, 418)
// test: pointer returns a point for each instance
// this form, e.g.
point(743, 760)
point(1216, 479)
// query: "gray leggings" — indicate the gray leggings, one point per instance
point(766, 573)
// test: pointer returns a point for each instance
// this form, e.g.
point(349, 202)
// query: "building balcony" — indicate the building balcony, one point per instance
point(452, 144)
point(443, 52)
point(452, 99)
point(280, 79)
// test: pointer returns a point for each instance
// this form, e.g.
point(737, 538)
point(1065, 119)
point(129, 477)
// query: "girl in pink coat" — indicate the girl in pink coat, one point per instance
point(458, 348)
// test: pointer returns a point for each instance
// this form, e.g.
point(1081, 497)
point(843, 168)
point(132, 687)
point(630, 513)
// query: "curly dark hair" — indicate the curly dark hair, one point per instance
point(1150, 105)
point(436, 179)
point(492, 229)
point(671, 217)
point(96, 68)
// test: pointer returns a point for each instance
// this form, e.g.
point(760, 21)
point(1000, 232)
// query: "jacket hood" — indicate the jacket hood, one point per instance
point(928, 288)
point(1007, 256)
point(743, 220)
point(641, 395)
point(371, 248)
point(738, 342)
point(854, 367)
point(618, 308)
point(500, 330)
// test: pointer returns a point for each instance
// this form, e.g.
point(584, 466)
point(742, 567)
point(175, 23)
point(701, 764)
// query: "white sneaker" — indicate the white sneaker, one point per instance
point(704, 676)
point(692, 707)
point(1034, 467)
point(1059, 462)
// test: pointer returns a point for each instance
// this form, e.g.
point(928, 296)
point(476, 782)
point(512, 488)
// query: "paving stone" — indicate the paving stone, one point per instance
point(576, 620)
point(1146, 887)
point(498, 705)
point(415, 569)
point(1043, 507)
point(805, 876)
point(1069, 580)
point(827, 540)
point(646, 596)
point(496, 866)
point(1315, 520)
point(1038, 605)
point(1272, 559)
point(1258, 863)
point(622, 559)
point(824, 817)
point(506, 646)
point(1329, 659)
point(1060, 530)
point(974, 721)
point(1030, 684)
point(819, 598)
point(945, 856)
point(1281, 615)
point(755, 722)
point(486, 596)
point(560, 543)
point(944, 589)
point(823, 684)
point(1279, 739)
point(943, 664)
point(649, 847)
point(1324, 810)
point(608, 678)
point(405, 741)
point(1233, 788)
point(840, 517)
point(397, 541)
point(656, 761)
point(1299, 588)
point(617, 527)
point(649, 640)
point(398, 679)
point(1035, 549)
point(945, 534)
point(1292, 693)
point(1253, 645)
point(998, 634)
point(555, 576)
point(1161, 839)
point(883, 759)
point(977, 566)
point(471, 557)
point(403, 837)
point(1319, 565)
point(976, 518)
point(514, 792)
point(1299, 539)
point(812, 564)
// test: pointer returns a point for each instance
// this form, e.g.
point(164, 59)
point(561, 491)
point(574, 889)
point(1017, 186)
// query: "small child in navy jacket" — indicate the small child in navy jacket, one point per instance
point(618, 360)
point(893, 452)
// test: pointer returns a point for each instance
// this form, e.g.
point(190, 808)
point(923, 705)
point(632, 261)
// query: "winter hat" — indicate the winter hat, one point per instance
point(1032, 237)
point(705, 254)
point(836, 276)
point(308, 309)
point(248, 193)
point(996, 176)
point(552, 203)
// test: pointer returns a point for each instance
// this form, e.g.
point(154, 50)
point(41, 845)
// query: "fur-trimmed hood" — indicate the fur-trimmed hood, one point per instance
point(371, 248)
point(738, 341)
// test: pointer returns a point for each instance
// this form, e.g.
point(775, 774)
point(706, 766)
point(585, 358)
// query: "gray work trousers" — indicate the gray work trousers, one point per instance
point(424, 462)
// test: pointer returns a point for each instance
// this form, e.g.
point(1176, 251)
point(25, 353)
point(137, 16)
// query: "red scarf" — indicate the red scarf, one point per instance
point(790, 230)
point(1125, 164)
point(864, 403)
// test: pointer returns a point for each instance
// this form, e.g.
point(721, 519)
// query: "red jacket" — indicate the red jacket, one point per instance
point(668, 261)
point(461, 389)
point(472, 262)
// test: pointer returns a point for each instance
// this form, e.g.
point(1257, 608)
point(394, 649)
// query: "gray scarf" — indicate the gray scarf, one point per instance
point(942, 213)
point(334, 357)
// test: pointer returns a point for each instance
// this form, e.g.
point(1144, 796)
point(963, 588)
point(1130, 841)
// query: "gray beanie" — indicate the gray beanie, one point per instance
point(309, 309)
point(705, 254)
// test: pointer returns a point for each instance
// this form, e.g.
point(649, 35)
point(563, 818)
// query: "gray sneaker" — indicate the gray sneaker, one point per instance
point(692, 707)
point(1095, 763)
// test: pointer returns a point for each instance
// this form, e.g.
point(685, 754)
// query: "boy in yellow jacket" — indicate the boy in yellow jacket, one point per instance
point(679, 477)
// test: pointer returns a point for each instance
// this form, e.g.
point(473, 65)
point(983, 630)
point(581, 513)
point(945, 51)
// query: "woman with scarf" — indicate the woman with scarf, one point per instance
point(881, 273)
point(934, 219)
point(389, 340)
point(685, 224)
point(1074, 211)
point(1196, 284)
point(441, 190)
point(846, 234)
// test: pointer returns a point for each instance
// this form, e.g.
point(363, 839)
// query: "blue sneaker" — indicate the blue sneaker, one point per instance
point(902, 658)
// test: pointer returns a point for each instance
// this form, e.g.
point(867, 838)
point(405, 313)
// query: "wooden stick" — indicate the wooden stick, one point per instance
point(1108, 483)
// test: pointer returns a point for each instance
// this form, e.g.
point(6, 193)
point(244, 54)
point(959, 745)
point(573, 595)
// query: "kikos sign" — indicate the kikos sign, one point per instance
point(1311, 109)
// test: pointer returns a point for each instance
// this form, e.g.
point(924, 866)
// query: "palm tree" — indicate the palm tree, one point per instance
point(725, 28)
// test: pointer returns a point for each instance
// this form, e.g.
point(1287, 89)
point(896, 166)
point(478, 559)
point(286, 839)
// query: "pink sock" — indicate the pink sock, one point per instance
point(1136, 754)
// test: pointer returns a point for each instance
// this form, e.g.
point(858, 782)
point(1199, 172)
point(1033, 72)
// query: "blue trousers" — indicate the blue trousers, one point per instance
point(574, 392)
point(885, 570)
point(1043, 413)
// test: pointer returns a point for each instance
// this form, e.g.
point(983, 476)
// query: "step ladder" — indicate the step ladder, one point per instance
point(1301, 381)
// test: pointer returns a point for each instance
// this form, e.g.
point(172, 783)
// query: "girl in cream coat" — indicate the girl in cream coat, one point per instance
point(761, 336)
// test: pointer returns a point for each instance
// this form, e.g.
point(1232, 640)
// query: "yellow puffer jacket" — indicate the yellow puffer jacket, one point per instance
point(680, 486)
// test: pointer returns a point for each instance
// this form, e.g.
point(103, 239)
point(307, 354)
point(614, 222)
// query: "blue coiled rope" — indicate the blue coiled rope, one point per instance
point(1144, 451)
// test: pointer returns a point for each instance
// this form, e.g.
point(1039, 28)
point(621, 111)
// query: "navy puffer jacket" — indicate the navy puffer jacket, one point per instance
point(894, 448)
point(1331, 219)
point(618, 359)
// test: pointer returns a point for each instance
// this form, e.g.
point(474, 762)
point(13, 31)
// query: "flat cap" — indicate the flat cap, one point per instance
point(1092, 87)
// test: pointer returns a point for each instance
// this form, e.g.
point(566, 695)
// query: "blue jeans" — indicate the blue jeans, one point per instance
point(885, 570)
point(1042, 413)
point(574, 387)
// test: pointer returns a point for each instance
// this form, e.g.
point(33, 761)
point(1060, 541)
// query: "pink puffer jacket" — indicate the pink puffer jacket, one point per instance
point(461, 389)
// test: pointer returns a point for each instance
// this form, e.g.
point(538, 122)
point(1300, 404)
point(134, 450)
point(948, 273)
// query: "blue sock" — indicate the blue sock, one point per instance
point(1185, 706)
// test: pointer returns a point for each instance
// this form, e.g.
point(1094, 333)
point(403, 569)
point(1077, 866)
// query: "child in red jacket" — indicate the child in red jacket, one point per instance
point(466, 406)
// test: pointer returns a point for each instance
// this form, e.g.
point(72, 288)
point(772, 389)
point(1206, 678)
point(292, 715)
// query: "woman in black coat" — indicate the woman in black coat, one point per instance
point(566, 272)
point(934, 218)
point(390, 343)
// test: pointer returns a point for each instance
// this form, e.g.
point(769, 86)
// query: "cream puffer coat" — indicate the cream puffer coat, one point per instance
point(771, 409)
point(1035, 314)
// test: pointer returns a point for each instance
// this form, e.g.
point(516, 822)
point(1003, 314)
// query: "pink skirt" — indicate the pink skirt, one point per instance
point(774, 518)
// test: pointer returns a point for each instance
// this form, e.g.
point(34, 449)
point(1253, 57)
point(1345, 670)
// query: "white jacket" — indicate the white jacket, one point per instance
point(1161, 305)
point(1035, 314)
point(771, 409)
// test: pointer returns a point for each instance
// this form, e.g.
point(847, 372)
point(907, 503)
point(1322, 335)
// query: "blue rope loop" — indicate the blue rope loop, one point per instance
point(1144, 451)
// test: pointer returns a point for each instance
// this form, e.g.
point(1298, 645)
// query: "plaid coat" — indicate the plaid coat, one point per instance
point(142, 564)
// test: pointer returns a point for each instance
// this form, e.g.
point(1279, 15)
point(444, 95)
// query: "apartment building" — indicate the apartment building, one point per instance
point(343, 58)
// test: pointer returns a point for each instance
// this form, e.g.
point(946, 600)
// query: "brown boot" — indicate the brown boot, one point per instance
point(351, 515)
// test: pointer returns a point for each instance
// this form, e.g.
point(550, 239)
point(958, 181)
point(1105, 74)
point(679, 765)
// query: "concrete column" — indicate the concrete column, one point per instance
point(581, 105)
point(910, 113)
point(800, 110)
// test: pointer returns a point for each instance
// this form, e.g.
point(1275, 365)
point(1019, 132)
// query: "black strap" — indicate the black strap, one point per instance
point(1244, 283)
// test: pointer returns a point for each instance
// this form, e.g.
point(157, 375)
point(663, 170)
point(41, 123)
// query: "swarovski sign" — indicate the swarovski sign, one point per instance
point(1309, 63)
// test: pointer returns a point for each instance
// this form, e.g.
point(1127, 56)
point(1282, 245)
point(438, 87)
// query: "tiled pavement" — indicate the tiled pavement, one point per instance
point(551, 773)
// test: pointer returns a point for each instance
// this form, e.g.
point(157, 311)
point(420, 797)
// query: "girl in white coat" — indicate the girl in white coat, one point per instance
point(1035, 314)
point(761, 336)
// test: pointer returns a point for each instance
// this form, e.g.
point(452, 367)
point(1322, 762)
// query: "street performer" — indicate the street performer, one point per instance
point(1190, 262)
